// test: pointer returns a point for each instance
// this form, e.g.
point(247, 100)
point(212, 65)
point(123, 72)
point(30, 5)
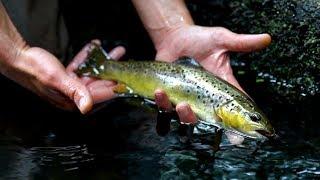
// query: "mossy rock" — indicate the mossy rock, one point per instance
point(290, 66)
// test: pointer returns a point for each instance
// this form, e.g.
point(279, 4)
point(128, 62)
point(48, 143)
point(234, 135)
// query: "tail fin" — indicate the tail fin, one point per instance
point(94, 62)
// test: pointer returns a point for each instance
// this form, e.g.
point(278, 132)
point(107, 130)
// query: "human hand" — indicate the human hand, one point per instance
point(42, 73)
point(210, 46)
point(100, 90)
point(38, 70)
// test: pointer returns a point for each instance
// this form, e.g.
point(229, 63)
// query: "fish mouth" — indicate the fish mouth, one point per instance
point(267, 134)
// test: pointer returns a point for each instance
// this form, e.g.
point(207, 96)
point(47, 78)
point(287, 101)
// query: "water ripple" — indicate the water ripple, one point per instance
point(69, 158)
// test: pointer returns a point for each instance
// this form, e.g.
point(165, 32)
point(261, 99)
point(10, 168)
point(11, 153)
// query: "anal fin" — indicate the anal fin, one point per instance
point(123, 90)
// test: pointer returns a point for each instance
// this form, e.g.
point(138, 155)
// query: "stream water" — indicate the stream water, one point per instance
point(119, 141)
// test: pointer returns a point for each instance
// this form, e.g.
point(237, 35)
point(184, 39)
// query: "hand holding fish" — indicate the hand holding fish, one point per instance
point(38, 70)
point(174, 35)
point(210, 46)
point(100, 90)
point(213, 100)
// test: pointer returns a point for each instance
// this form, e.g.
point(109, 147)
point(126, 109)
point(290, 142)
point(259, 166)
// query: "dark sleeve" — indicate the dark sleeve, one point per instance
point(40, 23)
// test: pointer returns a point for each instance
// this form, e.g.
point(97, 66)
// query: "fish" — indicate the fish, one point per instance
point(213, 100)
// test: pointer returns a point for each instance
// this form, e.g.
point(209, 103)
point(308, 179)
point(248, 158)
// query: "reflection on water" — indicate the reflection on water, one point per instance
point(67, 158)
point(32, 162)
point(126, 146)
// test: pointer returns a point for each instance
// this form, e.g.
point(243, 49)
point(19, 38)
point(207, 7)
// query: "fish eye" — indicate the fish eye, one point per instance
point(255, 117)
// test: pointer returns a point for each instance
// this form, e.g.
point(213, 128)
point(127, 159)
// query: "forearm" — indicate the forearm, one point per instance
point(11, 42)
point(162, 16)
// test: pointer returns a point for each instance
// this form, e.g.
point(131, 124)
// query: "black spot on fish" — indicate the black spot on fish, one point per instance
point(199, 96)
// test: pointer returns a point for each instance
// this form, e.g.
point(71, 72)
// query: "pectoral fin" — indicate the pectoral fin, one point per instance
point(188, 61)
point(234, 139)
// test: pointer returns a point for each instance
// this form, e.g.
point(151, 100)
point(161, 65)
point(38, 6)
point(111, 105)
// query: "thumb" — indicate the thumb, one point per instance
point(76, 91)
point(166, 56)
point(245, 42)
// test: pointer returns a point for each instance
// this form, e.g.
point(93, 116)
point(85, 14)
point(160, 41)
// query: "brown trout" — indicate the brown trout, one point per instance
point(213, 100)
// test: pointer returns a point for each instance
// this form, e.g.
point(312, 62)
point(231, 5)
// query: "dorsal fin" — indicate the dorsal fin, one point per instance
point(188, 61)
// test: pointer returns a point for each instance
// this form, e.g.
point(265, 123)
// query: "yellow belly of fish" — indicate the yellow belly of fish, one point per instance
point(145, 86)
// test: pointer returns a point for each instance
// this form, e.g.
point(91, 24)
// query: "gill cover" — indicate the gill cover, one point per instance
point(237, 119)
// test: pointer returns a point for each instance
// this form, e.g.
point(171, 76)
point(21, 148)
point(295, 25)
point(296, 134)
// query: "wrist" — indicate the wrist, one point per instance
point(161, 34)
point(11, 42)
point(12, 51)
point(160, 18)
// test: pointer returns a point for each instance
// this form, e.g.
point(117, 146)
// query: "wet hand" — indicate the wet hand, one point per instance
point(100, 90)
point(38, 70)
point(42, 73)
point(183, 110)
point(210, 46)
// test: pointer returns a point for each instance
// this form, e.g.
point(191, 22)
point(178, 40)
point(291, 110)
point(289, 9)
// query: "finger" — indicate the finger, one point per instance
point(232, 80)
point(101, 90)
point(87, 80)
point(81, 56)
point(186, 115)
point(244, 42)
point(117, 52)
point(55, 97)
point(220, 66)
point(165, 56)
point(84, 79)
point(162, 100)
point(52, 74)
point(75, 90)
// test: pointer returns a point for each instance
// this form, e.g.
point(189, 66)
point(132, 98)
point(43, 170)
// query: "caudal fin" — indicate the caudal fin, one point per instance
point(95, 60)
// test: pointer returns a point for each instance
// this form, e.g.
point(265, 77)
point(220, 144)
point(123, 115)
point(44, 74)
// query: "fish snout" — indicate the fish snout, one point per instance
point(270, 135)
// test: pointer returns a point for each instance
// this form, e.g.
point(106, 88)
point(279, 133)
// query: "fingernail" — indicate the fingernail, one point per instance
point(159, 101)
point(186, 114)
point(158, 98)
point(184, 111)
point(81, 104)
point(72, 75)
